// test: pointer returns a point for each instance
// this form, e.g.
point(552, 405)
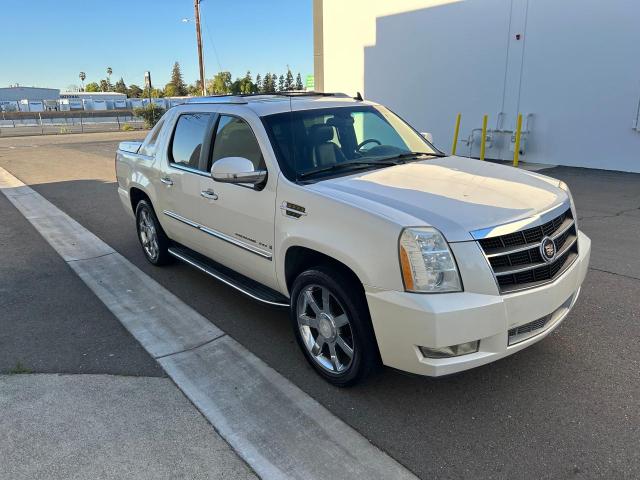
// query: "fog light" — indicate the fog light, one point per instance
point(452, 351)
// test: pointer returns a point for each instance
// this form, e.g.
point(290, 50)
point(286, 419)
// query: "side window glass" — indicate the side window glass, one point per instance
point(149, 146)
point(188, 138)
point(234, 138)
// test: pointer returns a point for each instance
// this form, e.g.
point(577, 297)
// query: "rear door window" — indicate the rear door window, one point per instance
point(188, 139)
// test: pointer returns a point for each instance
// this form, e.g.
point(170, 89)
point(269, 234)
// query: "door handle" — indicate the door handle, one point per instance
point(209, 194)
point(166, 181)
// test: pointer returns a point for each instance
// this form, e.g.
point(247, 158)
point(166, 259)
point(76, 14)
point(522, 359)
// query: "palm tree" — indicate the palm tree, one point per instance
point(82, 77)
point(109, 72)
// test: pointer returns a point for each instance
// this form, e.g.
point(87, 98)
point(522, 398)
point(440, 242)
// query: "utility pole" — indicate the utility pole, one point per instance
point(196, 6)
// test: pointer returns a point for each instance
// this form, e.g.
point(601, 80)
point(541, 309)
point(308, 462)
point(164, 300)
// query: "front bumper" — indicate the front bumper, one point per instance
point(405, 321)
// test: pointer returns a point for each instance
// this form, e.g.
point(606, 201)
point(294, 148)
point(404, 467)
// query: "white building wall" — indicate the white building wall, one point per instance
point(573, 71)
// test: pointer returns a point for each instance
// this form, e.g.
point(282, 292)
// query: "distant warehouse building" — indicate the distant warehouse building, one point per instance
point(92, 100)
point(28, 93)
point(27, 98)
point(570, 68)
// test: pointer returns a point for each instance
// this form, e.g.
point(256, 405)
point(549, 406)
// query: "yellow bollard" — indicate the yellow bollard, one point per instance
point(483, 141)
point(516, 147)
point(455, 134)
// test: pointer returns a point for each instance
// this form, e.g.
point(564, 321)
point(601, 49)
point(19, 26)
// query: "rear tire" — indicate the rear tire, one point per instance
point(155, 243)
point(332, 325)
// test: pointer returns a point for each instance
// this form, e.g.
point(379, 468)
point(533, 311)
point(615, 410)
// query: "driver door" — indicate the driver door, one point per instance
point(239, 218)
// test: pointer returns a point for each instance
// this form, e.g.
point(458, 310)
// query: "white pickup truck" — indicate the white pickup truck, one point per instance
point(385, 249)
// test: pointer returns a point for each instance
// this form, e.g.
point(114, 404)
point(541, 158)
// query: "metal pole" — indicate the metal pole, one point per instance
point(456, 131)
point(483, 140)
point(196, 6)
point(41, 125)
point(516, 147)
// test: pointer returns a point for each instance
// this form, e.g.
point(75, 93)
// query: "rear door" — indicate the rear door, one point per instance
point(185, 166)
point(240, 218)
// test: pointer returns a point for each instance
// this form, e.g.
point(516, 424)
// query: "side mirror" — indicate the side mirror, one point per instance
point(237, 170)
point(428, 136)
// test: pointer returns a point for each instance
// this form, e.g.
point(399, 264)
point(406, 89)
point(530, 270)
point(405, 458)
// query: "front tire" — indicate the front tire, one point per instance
point(331, 322)
point(155, 243)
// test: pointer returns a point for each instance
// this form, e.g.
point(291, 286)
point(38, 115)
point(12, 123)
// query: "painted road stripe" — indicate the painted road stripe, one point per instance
point(279, 430)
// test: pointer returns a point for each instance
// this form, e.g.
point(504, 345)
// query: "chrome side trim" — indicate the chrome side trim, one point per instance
point(237, 243)
point(220, 235)
point(180, 218)
point(184, 168)
point(518, 225)
point(225, 281)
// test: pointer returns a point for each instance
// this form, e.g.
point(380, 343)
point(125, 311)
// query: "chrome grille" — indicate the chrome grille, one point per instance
point(516, 259)
point(527, 328)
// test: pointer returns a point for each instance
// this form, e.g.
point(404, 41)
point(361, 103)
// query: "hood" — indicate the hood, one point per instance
point(455, 195)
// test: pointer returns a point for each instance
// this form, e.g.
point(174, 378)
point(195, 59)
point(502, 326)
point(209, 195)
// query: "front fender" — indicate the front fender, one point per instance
point(366, 243)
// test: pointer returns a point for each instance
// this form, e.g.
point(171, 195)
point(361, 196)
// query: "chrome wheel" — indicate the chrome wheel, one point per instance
point(325, 328)
point(148, 234)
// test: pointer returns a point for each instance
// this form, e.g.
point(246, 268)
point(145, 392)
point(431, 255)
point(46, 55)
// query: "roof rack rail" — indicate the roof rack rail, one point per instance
point(239, 98)
point(217, 99)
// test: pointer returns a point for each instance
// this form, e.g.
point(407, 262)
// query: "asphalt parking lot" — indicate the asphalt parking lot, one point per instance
point(568, 407)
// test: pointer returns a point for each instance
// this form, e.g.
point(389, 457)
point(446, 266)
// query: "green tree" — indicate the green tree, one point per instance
point(155, 93)
point(120, 86)
point(259, 84)
point(274, 83)
point(134, 91)
point(82, 76)
point(288, 81)
point(195, 89)
point(221, 83)
point(299, 85)
point(109, 85)
point(180, 88)
point(170, 90)
point(243, 85)
point(281, 83)
point(266, 83)
point(150, 113)
point(104, 85)
point(92, 87)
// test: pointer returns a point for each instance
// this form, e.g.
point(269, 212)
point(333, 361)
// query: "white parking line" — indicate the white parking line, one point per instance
point(279, 430)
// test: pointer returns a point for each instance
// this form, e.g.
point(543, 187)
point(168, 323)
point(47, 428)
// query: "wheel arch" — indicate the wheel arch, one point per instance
point(135, 195)
point(299, 258)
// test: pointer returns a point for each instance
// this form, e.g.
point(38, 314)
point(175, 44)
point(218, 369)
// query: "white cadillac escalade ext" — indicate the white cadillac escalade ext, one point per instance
point(384, 249)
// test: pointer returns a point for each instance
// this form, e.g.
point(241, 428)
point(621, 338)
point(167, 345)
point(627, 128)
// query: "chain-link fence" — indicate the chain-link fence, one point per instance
point(55, 123)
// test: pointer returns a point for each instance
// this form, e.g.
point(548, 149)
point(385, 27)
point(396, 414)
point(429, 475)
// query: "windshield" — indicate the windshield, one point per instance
point(310, 141)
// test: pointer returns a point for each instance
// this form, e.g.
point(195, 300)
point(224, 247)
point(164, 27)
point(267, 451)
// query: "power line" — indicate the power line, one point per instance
point(213, 45)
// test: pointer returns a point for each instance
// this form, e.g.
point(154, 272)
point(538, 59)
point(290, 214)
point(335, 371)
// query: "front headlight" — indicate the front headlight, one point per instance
point(565, 187)
point(426, 262)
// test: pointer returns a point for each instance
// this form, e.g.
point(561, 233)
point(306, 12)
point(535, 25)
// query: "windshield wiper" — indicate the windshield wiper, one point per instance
point(412, 155)
point(344, 165)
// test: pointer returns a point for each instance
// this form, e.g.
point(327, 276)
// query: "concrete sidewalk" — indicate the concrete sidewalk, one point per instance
point(107, 427)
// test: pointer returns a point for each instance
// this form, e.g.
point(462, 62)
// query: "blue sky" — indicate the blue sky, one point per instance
point(47, 43)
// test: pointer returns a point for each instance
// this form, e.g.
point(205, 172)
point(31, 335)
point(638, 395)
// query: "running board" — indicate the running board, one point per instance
point(245, 285)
